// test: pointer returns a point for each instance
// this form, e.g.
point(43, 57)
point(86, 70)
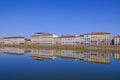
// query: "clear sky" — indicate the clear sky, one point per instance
point(25, 17)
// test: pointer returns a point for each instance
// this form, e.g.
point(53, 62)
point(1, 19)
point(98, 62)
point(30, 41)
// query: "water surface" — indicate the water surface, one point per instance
point(33, 64)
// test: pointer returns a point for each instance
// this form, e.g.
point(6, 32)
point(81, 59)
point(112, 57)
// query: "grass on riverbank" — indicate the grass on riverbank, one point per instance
point(49, 47)
point(66, 47)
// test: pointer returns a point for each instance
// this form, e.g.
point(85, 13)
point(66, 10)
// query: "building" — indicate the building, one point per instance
point(100, 38)
point(116, 40)
point(14, 40)
point(27, 41)
point(1, 40)
point(70, 39)
point(57, 41)
point(87, 39)
point(94, 38)
point(43, 38)
point(82, 39)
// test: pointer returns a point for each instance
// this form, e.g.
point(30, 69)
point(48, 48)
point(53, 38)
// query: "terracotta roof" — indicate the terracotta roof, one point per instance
point(96, 33)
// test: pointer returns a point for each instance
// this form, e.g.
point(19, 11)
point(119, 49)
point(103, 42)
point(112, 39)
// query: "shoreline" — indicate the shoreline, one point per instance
point(111, 48)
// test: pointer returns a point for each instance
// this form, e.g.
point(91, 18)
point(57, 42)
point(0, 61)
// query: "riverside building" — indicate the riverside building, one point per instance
point(14, 40)
point(116, 40)
point(70, 39)
point(100, 38)
point(43, 38)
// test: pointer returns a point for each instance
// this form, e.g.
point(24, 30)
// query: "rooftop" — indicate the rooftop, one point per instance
point(99, 33)
point(43, 33)
point(117, 36)
point(13, 37)
point(68, 35)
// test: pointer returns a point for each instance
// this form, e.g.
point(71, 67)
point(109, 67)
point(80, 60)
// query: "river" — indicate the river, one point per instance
point(36, 64)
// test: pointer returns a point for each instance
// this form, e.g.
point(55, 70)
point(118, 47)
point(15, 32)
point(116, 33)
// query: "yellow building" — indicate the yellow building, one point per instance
point(100, 38)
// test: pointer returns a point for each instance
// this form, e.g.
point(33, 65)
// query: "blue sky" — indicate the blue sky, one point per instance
point(25, 17)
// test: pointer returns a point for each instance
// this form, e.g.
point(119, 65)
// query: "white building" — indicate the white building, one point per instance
point(116, 40)
point(87, 38)
point(14, 40)
point(70, 39)
point(43, 38)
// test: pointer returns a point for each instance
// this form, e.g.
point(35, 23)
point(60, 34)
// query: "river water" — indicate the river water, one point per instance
point(36, 64)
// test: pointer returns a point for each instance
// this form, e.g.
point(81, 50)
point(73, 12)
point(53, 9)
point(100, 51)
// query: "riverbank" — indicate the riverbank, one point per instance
point(49, 47)
point(70, 47)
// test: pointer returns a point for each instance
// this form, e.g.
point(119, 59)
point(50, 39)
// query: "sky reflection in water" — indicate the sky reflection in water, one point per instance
point(33, 64)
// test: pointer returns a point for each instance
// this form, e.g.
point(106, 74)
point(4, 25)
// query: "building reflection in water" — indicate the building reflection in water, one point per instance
point(42, 54)
point(72, 55)
point(98, 58)
point(10, 50)
point(92, 57)
point(1, 49)
point(116, 56)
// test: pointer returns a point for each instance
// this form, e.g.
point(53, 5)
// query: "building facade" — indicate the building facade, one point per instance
point(82, 40)
point(14, 40)
point(116, 40)
point(1, 40)
point(43, 38)
point(87, 39)
point(57, 41)
point(27, 41)
point(70, 39)
point(100, 38)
